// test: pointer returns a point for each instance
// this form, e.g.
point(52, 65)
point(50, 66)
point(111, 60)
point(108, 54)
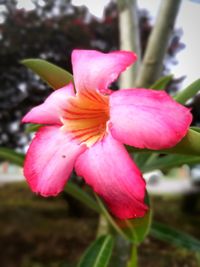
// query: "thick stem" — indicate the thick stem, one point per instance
point(129, 38)
point(133, 262)
point(157, 45)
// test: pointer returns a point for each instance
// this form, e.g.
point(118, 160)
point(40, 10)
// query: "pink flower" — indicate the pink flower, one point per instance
point(86, 130)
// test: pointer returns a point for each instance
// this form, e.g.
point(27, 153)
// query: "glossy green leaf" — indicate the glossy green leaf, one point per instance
point(53, 75)
point(32, 127)
point(170, 161)
point(12, 156)
point(79, 194)
point(99, 253)
point(188, 92)
point(162, 83)
point(175, 237)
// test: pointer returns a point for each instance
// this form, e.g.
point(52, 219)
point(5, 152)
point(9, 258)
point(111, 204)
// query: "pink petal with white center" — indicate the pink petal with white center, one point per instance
point(95, 70)
point(50, 160)
point(49, 112)
point(147, 118)
point(108, 168)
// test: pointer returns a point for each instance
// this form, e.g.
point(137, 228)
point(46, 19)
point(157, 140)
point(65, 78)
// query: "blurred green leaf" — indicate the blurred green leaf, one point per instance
point(12, 156)
point(188, 92)
point(53, 75)
point(170, 161)
point(79, 194)
point(162, 83)
point(99, 253)
point(175, 237)
point(32, 127)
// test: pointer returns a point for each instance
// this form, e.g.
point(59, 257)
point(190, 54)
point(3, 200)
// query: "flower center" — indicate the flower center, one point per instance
point(85, 117)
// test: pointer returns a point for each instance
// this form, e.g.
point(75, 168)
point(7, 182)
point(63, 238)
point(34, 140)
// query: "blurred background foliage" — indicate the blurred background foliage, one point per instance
point(51, 31)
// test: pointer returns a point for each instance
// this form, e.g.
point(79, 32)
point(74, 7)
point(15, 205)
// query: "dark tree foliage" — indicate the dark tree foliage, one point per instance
point(51, 32)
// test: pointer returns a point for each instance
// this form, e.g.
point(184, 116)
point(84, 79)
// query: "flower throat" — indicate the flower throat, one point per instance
point(85, 117)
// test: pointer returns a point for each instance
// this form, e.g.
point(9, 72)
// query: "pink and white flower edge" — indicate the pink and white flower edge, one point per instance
point(86, 129)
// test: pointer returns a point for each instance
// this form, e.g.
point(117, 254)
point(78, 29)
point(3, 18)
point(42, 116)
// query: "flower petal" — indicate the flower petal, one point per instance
point(147, 118)
point(108, 168)
point(49, 111)
point(94, 70)
point(50, 160)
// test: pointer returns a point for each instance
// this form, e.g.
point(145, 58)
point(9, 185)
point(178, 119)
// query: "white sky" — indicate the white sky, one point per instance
point(188, 19)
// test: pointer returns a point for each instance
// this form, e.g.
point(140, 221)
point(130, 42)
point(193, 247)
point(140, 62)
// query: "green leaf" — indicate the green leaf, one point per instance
point(188, 92)
point(79, 194)
point(175, 237)
point(170, 161)
point(196, 129)
point(12, 156)
point(189, 145)
point(99, 253)
point(162, 83)
point(32, 127)
point(53, 75)
point(141, 158)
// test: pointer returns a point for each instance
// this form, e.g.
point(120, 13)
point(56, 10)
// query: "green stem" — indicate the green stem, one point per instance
point(133, 262)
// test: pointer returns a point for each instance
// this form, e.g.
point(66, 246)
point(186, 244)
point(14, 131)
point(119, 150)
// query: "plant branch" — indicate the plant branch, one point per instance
point(129, 38)
point(158, 41)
